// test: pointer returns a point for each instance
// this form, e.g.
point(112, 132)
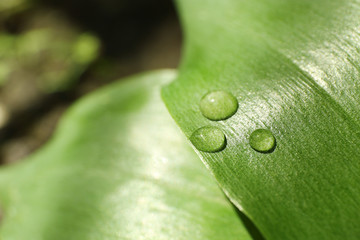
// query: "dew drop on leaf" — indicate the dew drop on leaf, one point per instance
point(218, 105)
point(208, 139)
point(262, 140)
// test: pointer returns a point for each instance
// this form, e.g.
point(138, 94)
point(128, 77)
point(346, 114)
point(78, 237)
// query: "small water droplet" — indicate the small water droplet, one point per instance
point(262, 140)
point(218, 105)
point(208, 139)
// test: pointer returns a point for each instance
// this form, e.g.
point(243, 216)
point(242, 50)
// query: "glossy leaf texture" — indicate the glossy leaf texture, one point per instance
point(294, 68)
point(117, 168)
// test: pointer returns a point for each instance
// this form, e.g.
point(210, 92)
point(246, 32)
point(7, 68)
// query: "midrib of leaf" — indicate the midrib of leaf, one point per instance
point(265, 53)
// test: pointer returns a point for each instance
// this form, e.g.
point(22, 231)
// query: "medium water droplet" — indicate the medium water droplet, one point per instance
point(208, 139)
point(218, 105)
point(262, 140)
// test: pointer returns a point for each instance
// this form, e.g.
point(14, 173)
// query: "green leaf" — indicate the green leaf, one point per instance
point(294, 68)
point(118, 168)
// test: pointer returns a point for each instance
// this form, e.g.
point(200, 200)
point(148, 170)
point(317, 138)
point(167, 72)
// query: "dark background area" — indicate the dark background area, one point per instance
point(134, 36)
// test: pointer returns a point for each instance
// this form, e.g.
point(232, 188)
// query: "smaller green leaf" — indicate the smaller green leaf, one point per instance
point(118, 168)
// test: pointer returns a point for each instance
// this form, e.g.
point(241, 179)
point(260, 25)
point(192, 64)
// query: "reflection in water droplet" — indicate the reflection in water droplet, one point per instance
point(262, 140)
point(208, 139)
point(218, 105)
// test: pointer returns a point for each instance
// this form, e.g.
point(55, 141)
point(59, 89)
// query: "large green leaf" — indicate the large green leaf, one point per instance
point(118, 168)
point(294, 68)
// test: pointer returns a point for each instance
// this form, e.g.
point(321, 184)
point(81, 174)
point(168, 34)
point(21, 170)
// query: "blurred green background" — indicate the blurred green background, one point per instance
point(54, 51)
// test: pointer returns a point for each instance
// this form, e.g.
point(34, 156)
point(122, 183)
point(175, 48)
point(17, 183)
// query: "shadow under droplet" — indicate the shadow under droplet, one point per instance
point(250, 226)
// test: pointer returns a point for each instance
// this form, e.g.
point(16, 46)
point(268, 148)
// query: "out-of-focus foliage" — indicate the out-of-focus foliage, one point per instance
point(9, 7)
point(53, 55)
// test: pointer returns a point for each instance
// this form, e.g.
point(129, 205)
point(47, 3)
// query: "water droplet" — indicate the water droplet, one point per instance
point(208, 139)
point(262, 140)
point(218, 105)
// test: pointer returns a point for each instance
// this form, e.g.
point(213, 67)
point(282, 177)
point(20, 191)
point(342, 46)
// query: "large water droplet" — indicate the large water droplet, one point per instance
point(218, 105)
point(208, 139)
point(262, 140)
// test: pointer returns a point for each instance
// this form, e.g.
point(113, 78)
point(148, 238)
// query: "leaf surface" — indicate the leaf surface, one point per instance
point(294, 68)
